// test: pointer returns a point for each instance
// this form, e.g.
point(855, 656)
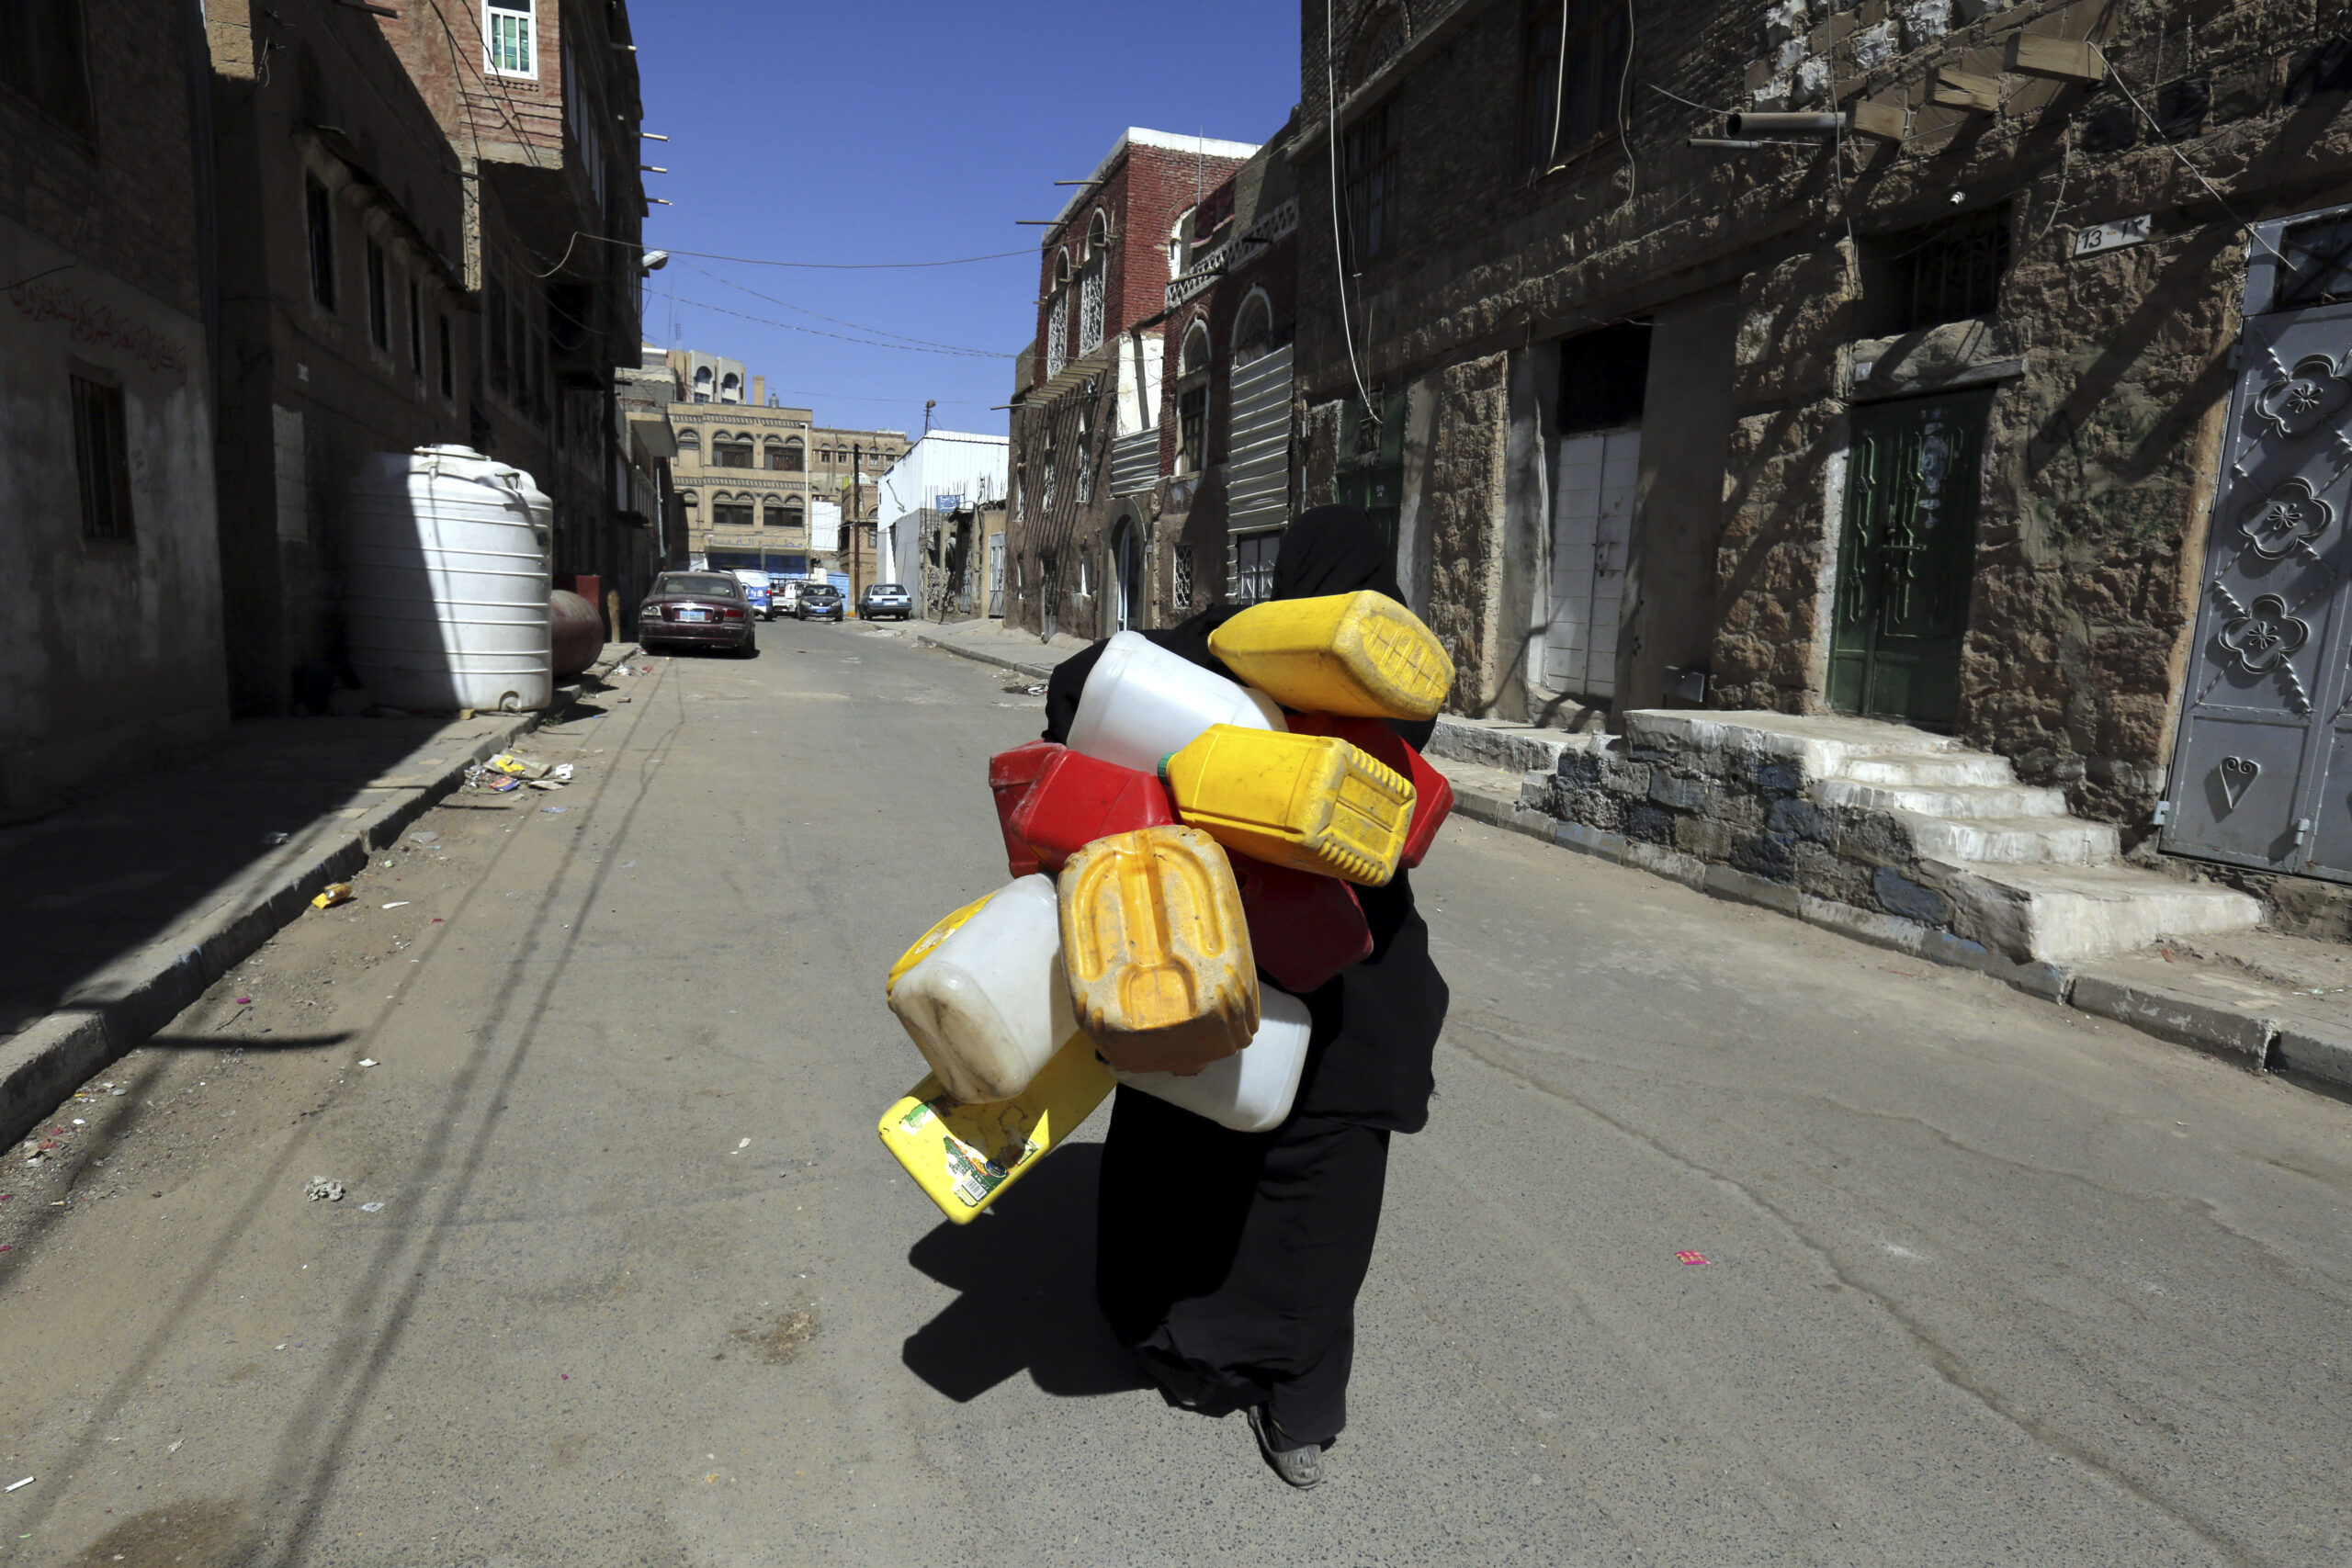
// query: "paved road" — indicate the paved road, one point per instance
point(1986, 1281)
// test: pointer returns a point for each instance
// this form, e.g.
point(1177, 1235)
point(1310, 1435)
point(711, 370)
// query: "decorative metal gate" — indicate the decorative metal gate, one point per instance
point(1907, 557)
point(2262, 771)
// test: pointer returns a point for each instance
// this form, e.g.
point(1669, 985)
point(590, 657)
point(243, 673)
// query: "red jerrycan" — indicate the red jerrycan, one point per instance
point(1011, 776)
point(1078, 799)
point(1432, 796)
point(1303, 928)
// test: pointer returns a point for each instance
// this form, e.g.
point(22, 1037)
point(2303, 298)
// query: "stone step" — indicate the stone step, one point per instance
point(2063, 914)
point(2011, 841)
point(1904, 772)
point(1973, 801)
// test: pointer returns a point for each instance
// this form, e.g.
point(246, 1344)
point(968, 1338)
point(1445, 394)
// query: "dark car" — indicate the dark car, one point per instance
point(697, 609)
point(881, 599)
point(822, 602)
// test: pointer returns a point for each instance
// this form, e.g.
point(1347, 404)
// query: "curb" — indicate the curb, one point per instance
point(2251, 1039)
point(1034, 672)
point(124, 1003)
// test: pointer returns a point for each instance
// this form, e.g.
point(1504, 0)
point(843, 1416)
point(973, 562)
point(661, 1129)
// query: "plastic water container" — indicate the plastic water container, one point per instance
point(448, 601)
point(1251, 1090)
point(1157, 950)
point(1309, 802)
point(988, 1006)
point(964, 1154)
point(1432, 794)
point(943, 928)
point(1010, 775)
point(1078, 799)
point(1142, 702)
point(1303, 928)
point(1362, 654)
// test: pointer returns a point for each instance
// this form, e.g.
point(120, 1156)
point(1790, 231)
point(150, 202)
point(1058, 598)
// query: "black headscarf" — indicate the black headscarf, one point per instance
point(1376, 1024)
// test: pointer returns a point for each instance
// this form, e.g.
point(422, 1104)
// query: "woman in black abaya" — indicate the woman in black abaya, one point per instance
point(1229, 1262)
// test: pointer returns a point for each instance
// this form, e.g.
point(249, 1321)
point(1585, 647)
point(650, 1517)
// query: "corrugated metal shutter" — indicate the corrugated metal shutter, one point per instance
point(1134, 462)
point(1258, 475)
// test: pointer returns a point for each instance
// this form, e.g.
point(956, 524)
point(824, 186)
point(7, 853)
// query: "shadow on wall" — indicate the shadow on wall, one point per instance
point(1026, 1267)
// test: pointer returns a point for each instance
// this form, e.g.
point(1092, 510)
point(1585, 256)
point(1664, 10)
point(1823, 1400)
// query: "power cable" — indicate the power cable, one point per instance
point(821, 266)
point(868, 343)
point(1339, 252)
point(859, 326)
point(2156, 126)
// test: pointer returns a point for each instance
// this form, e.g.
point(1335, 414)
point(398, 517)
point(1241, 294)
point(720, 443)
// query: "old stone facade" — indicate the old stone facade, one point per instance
point(1089, 443)
point(107, 357)
point(1916, 412)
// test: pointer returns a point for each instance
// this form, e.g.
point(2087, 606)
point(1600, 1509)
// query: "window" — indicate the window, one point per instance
point(1058, 319)
point(792, 457)
point(1179, 593)
point(1089, 286)
point(1946, 272)
point(729, 454)
point(415, 327)
point(772, 514)
point(702, 383)
point(1253, 329)
point(1253, 566)
point(1576, 53)
point(448, 371)
point(509, 38)
point(731, 387)
point(730, 514)
point(690, 441)
point(1192, 402)
point(100, 459)
point(793, 517)
point(1368, 153)
point(379, 301)
point(40, 57)
point(320, 208)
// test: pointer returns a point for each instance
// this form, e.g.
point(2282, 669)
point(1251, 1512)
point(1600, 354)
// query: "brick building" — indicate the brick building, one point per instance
point(1928, 411)
point(537, 101)
point(107, 358)
point(1084, 538)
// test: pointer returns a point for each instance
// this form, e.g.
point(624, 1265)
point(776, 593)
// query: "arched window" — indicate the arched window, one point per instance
point(1057, 318)
point(730, 451)
point(702, 383)
point(689, 499)
point(688, 441)
point(1192, 399)
point(1253, 329)
point(731, 389)
point(775, 515)
point(1089, 285)
point(1381, 38)
point(792, 457)
point(1180, 242)
point(729, 510)
point(794, 516)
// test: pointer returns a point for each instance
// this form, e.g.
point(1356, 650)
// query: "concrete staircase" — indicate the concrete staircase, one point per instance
point(2028, 877)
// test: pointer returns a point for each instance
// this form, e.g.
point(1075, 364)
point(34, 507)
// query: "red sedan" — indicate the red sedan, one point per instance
point(698, 609)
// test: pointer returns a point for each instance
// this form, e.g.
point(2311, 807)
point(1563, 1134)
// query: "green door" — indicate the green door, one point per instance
point(1907, 557)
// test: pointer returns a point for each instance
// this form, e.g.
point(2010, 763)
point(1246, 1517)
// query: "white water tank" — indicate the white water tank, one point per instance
point(449, 582)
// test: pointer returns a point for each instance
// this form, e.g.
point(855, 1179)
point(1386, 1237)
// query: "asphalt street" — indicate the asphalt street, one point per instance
point(1729, 1242)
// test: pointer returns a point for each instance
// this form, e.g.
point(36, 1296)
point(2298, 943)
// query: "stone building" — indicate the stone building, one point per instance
point(1988, 403)
point(1084, 538)
point(108, 352)
point(843, 461)
point(342, 214)
point(537, 101)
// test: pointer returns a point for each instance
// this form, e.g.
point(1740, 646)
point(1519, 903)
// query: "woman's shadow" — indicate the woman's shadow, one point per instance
point(1026, 1267)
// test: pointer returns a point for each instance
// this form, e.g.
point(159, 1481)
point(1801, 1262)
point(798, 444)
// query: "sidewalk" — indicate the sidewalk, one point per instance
point(124, 908)
point(992, 642)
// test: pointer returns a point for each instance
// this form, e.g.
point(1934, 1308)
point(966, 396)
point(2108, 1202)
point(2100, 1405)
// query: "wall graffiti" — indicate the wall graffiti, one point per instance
point(89, 321)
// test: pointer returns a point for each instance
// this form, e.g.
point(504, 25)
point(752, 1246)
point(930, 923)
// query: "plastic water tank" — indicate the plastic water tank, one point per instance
point(449, 581)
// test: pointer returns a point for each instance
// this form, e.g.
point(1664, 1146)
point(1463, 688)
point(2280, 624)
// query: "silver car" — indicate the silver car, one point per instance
point(884, 599)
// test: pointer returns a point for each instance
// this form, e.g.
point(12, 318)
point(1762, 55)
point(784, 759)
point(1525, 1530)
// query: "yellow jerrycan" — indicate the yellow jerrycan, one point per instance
point(1362, 655)
point(946, 927)
point(1157, 950)
point(1310, 802)
point(963, 1152)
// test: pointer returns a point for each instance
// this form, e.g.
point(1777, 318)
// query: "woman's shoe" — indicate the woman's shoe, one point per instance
point(1179, 1383)
point(1301, 1466)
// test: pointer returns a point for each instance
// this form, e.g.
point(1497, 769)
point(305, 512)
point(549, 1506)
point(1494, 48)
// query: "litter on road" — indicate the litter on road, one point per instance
point(422, 837)
point(335, 893)
point(366, 1061)
point(27, 1481)
point(372, 1208)
point(1694, 1260)
point(397, 903)
point(324, 1188)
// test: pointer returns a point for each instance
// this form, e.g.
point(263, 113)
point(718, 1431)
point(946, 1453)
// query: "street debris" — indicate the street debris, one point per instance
point(397, 903)
point(324, 1188)
point(562, 771)
point(518, 767)
point(244, 1001)
point(1694, 1260)
point(555, 811)
point(335, 893)
point(27, 1481)
point(366, 1061)
point(546, 783)
point(372, 1208)
point(424, 837)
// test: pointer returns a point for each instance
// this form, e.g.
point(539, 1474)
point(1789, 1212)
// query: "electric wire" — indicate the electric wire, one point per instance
point(1339, 252)
point(844, 337)
point(817, 267)
point(2156, 126)
point(858, 326)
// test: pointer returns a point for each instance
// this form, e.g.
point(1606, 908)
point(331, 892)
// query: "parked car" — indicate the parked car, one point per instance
point(758, 588)
point(822, 602)
point(881, 599)
point(698, 609)
point(786, 596)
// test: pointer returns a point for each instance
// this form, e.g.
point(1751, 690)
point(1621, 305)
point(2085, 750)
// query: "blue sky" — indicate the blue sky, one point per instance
point(909, 131)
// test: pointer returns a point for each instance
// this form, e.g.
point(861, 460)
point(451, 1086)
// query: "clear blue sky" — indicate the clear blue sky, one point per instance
point(895, 131)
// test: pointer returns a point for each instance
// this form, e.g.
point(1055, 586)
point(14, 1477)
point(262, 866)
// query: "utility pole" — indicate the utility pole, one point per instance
point(857, 493)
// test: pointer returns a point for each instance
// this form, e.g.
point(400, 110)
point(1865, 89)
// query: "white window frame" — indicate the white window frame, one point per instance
point(525, 18)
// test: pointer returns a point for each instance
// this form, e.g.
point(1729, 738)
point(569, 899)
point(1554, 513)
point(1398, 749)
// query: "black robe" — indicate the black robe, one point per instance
point(1235, 1257)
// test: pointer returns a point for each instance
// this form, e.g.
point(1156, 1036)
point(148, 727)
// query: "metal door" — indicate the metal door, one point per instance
point(1592, 511)
point(2262, 771)
point(1907, 557)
